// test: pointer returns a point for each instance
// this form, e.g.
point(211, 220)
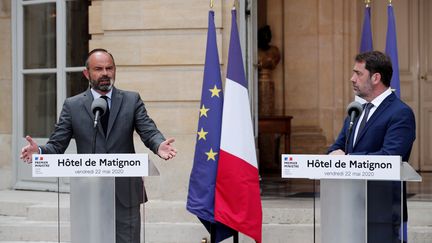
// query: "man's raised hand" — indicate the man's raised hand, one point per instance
point(28, 150)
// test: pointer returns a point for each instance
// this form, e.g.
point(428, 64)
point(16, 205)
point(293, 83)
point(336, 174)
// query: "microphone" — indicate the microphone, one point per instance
point(98, 108)
point(354, 110)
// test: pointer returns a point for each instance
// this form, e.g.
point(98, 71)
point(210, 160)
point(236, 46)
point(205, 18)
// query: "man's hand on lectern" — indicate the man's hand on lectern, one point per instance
point(337, 152)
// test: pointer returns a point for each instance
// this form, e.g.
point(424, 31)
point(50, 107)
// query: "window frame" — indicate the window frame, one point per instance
point(21, 177)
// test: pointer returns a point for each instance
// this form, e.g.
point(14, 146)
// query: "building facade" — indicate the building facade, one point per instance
point(159, 47)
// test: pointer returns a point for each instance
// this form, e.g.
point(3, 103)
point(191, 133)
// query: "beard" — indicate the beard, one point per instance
point(102, 84)
point(365, 90)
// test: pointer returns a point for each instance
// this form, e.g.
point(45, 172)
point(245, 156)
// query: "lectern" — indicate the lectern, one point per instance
point(344, 188)
point(92, 188)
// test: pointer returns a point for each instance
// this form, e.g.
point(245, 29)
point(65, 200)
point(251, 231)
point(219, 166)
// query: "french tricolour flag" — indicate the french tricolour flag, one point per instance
point(237, 199)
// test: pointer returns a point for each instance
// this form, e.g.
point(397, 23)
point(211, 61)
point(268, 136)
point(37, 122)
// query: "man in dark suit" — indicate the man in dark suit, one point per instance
point(388, 129)
point(115, 135)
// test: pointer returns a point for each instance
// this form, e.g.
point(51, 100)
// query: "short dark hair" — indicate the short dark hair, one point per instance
point(377, 62)
point(97, 50)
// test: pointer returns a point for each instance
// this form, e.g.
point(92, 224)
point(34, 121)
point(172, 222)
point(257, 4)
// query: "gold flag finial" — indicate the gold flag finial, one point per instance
point(367, 2)
point(211, 4)
point(390, 2)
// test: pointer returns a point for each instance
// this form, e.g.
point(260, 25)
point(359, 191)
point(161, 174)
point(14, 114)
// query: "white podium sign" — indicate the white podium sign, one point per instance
point(359, 167)
point(90, 165)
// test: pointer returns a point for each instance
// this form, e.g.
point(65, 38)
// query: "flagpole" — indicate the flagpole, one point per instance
point(212, 225)
point(212, 233)
point(236, 233)
point(392, 52)
point(314, 211)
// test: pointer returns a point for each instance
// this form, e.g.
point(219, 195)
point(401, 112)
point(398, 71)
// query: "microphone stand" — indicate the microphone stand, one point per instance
point(94, 140)
point(95, 129)
point(98, 106)
point(348, 138)
point(350, 128)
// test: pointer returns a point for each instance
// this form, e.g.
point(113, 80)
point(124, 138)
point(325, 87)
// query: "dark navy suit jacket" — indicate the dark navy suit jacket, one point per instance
point(389, 131)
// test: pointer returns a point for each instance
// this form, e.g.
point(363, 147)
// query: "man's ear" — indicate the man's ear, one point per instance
point(86, 73)
point(376, 77)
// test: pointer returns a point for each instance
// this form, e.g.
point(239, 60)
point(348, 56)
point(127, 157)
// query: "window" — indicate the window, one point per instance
point(52, 44)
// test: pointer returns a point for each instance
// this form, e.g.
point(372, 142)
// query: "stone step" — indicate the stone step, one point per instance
point(18, 203)
point(289, 211)
point(193, 233)
point(419, 213)
point(47, 212)
point(32, 242)
point(43, 206)
point(18, 229)
point(278, 211)
point(284, 220)
point(13, 228)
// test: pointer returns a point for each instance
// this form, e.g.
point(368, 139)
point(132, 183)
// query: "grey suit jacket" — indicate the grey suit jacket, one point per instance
point(127, 114)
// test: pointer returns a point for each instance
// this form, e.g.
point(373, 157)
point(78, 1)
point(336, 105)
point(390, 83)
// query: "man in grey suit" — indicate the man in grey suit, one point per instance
point(125, 114)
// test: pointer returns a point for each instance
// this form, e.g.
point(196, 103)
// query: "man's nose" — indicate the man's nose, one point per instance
point(105, 72)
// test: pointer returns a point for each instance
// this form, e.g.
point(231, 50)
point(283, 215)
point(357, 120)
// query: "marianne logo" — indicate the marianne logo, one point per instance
point(39, 162)
point(289, 162)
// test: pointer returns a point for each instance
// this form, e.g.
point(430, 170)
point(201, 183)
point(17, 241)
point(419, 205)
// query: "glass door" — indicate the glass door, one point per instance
point(50, 44)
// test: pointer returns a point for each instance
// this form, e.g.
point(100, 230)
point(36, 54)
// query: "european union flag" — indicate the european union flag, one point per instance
point(201, 196)
point(366, 37)
point(391, 49)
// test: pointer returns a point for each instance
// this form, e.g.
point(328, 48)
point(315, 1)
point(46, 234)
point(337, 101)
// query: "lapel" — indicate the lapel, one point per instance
point(87, 101)
point(116, 101)
point(375, 116)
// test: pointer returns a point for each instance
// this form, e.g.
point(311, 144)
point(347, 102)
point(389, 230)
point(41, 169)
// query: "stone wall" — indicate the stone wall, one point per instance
point(6, 95)
point(159, 47)
point(318, 40)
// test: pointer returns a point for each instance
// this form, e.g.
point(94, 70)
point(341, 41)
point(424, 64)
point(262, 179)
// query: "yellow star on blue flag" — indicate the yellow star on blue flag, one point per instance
point(215, 91)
